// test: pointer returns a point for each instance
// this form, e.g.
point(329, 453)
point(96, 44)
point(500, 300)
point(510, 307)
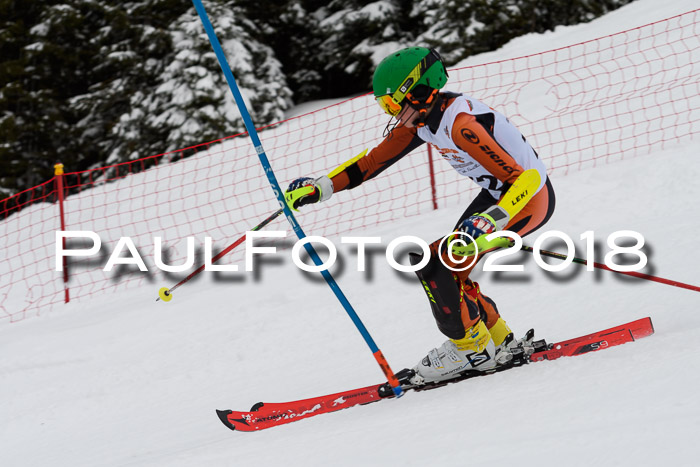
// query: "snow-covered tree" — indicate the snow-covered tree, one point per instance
point(94, 81)
point(33, 124)
point(447, 25)
point(462, 28)
point(357, 35)
point(128, 50)
point(190, 102)
point(291, 29)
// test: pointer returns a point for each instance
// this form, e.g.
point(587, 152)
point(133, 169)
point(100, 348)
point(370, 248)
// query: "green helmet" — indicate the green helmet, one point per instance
point(402, 71)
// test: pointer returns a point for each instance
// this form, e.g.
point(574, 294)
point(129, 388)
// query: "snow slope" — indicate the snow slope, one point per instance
point(125, 381)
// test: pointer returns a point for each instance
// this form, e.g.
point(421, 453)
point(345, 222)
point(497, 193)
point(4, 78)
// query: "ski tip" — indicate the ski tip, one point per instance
point(223, 416)
point(641, 328)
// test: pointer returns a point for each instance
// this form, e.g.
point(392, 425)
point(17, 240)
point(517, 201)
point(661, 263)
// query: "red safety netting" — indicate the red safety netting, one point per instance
point(591, 103)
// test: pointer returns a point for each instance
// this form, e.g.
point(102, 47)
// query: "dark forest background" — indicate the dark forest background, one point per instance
point(92, 82)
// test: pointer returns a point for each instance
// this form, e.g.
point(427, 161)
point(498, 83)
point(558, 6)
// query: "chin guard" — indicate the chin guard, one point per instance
point(422, 106)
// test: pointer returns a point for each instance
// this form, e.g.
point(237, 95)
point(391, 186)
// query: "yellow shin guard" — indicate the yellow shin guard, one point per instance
point(499, 331)
point(475, 339)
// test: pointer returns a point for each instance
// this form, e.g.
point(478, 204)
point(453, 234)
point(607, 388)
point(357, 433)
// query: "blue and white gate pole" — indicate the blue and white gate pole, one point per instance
point(280, 198)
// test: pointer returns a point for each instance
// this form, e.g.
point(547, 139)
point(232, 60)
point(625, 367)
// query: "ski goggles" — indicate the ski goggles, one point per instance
point(389, 105)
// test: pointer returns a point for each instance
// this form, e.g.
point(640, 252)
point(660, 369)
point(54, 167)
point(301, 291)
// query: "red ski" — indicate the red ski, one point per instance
point(267, 415)
point(597, 341)
point(272, 414)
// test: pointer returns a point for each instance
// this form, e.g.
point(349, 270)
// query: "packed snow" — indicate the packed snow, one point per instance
point(124, 380)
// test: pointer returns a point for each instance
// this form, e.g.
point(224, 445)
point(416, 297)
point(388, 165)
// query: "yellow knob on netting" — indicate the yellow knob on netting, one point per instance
point(165, 294)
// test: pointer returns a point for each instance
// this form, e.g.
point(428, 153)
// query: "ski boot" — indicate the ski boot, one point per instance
point(474, 352)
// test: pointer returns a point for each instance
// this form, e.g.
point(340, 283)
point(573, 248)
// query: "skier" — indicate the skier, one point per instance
point(479, 143)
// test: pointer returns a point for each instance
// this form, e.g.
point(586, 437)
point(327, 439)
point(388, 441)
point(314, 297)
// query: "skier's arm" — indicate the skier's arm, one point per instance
point(400, 142)
point(474, 134)
point(308, 190)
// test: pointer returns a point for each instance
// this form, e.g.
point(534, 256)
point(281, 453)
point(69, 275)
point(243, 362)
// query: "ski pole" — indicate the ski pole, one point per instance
point(252, 132)
point(165, 293)
point(639, 275)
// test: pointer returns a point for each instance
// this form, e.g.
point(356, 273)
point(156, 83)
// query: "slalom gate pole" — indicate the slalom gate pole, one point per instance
point(165, 293)
point(252, 132)
point(639, 275)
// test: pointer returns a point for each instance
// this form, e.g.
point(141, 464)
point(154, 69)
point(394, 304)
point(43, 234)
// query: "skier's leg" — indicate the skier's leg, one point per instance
point(457, 314)
point(488, 310)
point(536, 213)
point(478, 334)
point(533, 216)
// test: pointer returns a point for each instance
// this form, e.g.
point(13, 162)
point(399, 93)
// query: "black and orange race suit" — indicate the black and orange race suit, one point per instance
point(483, 145)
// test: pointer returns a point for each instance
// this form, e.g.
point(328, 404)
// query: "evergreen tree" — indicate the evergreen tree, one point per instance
point(89, 82)
point(79, 64)
point(131, 53)
point(357, 36)
point(189, 101)
point(34, 82)
point(460, 29)
point(292, 30)
point(447, 25)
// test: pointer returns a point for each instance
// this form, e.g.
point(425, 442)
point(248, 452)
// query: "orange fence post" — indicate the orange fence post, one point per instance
point(433, 190)
point(58, 177)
